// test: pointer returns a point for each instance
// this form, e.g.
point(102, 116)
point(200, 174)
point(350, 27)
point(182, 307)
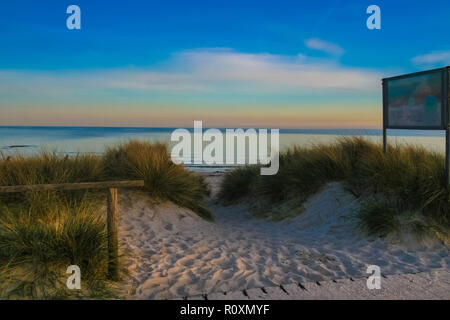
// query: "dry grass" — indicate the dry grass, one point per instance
point(412, 178)
point(42, 233)
point(163, 179)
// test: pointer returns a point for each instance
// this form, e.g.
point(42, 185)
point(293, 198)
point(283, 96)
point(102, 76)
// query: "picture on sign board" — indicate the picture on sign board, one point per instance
point(415, 101)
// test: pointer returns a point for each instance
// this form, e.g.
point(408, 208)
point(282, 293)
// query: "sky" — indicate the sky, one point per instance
point(263, 64)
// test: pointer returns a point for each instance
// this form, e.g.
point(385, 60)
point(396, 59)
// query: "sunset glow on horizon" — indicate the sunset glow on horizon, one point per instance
point(245, 65)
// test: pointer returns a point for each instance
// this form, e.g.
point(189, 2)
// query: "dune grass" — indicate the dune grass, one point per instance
point(36, 251)
point(410, 177)
point(163, 179)
point(48, 168)
point(42, 233)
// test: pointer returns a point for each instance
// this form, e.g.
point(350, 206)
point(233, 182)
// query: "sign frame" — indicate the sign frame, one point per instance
point(444, 91)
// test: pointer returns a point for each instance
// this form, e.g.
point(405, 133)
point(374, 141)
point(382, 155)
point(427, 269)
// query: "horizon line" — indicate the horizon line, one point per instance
point(164, 127)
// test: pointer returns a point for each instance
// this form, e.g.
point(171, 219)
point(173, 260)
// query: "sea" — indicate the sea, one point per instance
point(76, 140)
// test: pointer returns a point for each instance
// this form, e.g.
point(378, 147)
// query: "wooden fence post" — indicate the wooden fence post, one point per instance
point(113, 246)
point(112, 209)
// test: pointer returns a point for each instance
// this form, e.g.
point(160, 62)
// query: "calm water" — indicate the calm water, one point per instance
point(71, 140)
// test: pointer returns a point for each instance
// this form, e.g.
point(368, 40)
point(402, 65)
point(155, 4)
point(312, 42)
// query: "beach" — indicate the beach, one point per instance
point(172, 253)
point(233, 150)
point(331, 212)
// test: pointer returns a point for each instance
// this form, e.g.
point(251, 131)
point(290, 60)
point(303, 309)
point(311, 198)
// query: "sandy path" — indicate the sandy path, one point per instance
point(173, 253)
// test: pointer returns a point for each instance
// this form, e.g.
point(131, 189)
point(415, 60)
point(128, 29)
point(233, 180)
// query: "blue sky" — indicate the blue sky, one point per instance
point(248, 63)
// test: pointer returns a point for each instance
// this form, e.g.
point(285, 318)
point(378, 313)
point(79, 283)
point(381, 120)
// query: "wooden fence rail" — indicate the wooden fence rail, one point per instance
point(112, 208)
point(72, 186)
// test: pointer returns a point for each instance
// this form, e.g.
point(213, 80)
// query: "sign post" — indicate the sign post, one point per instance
point(447, 154)
point(447, 123)
point(418, 101)
point(384, 84)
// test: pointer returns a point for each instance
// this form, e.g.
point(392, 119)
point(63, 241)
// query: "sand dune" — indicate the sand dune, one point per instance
point(174, 253)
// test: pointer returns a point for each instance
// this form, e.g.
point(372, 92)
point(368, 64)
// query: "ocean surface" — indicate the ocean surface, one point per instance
point(72, 140)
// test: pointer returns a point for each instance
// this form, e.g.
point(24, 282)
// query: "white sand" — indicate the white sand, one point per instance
point(174, 253)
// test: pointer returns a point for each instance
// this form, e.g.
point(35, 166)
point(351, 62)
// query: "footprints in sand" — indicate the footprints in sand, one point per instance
point(174, 253)
point(175, 259)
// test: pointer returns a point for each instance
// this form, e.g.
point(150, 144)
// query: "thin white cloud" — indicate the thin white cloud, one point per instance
point(201, 71)
point(432, 58)
point(325, 46)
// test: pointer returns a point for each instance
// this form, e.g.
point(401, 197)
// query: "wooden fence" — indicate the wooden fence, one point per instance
point(112, 208)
